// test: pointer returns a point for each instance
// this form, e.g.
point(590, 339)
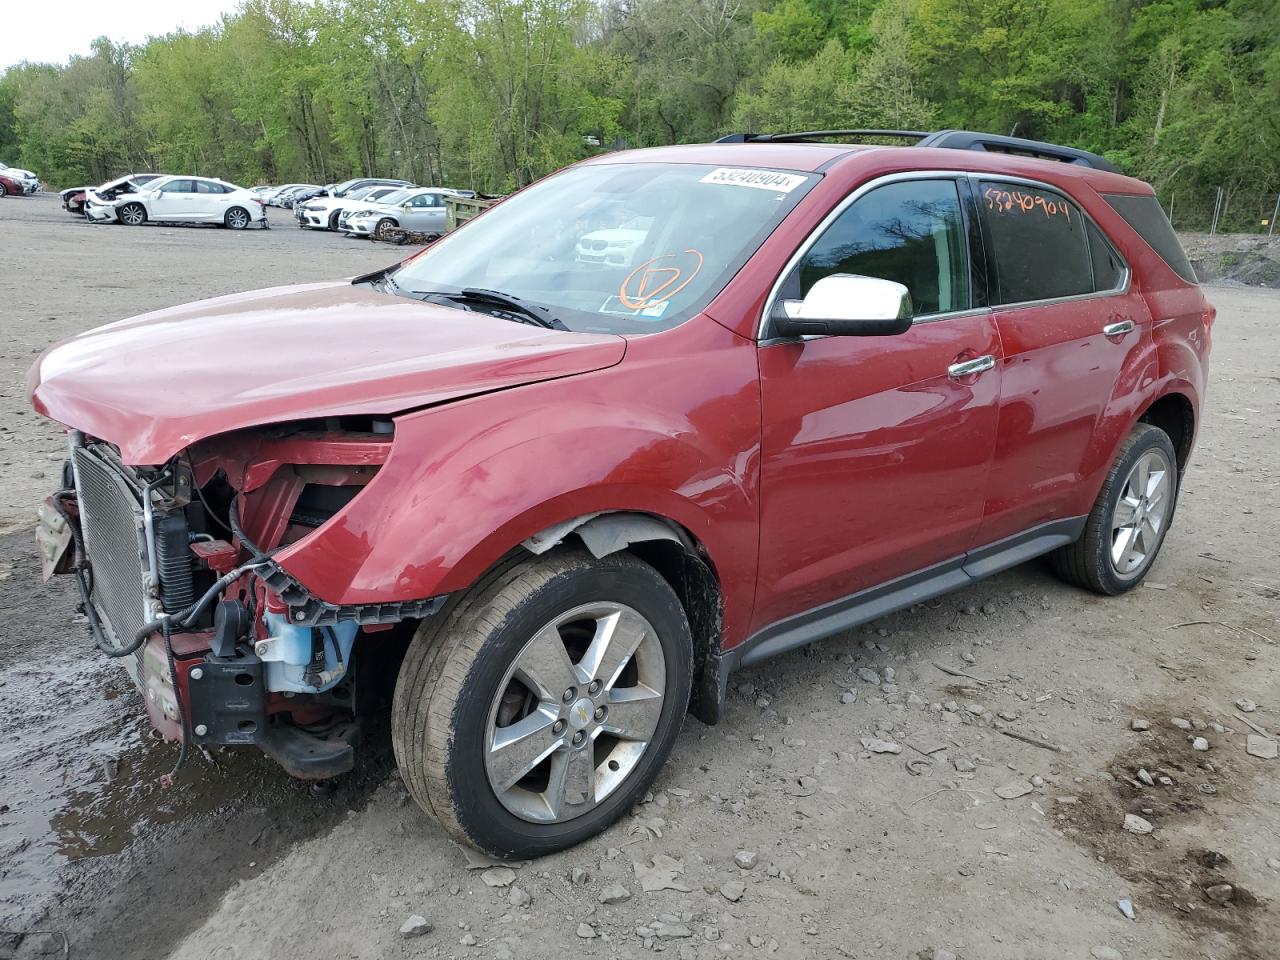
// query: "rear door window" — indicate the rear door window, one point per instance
point(1038, 241)
point(1145, 215)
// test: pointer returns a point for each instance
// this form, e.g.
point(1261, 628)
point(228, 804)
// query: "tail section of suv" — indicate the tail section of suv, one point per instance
point(561, 498)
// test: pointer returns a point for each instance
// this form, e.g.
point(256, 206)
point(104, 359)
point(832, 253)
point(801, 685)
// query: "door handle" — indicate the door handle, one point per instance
point(967, 368)
point(1118, 329)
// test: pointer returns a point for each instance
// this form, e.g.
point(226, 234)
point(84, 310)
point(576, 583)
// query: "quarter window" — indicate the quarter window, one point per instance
point(910, 232)
point(1108, 268)
point(1038, 241)
point(1143, 213)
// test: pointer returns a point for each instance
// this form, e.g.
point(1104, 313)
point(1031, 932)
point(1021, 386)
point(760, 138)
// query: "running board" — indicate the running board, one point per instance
point(898, 594)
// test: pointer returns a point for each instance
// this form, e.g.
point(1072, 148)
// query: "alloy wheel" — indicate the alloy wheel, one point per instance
point(1141, 513)
point(237, 219)
point(132, 215)
point(575, 712)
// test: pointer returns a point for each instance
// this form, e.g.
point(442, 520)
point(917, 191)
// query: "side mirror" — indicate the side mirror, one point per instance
point(406, 206)
point(846, 305)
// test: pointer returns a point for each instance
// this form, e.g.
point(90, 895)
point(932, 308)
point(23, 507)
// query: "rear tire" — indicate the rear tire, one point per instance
point(3, 190)
point(1129, 520)
point(132, 215)
point(237, 218)
point(469, 687)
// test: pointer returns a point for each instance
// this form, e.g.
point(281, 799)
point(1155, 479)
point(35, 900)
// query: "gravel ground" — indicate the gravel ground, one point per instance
point(1017, 687)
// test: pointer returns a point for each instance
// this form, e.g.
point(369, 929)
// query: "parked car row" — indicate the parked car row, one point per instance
point(17, 182)
point(291, 194)
point(359, 207)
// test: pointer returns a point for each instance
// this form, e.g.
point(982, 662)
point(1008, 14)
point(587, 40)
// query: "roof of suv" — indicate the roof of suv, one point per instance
point(810, 157)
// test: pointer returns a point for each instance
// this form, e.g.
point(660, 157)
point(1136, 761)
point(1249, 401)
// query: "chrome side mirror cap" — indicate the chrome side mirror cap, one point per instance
point(847, 305)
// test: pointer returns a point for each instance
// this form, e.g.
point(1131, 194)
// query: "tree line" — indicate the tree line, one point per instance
point(491, 94)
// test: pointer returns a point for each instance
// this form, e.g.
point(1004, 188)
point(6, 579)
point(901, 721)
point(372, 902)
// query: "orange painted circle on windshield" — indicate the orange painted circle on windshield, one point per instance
point(659, 279)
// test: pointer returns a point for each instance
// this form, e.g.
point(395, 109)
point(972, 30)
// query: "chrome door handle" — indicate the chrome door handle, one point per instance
point(967, 368)
point(1118, 329)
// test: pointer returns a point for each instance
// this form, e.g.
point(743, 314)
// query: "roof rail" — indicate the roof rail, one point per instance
point(949, 139)
point(818, 135)
point(995, 143)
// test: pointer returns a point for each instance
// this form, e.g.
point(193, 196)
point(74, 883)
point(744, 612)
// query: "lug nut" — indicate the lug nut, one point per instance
point(201, 730)
point(558, 727)
point(601, 713)
point(197, 673)
point(578, 738)
point(570, 694)
point(595, 686)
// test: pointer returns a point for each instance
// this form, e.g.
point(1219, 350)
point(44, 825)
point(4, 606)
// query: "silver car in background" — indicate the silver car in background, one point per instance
point(421, 210)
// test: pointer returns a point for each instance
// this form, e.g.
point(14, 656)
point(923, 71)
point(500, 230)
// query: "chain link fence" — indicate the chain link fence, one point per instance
point(1223, 210)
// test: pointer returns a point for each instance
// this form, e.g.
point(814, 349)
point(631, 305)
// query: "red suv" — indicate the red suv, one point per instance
point(660, 416)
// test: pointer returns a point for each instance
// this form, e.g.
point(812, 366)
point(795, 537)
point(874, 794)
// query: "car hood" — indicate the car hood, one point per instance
point(154, 384)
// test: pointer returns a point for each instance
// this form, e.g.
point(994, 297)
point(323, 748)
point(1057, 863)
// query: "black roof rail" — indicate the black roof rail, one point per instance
point(818, 135)
point(949, 139)
point(995, 143)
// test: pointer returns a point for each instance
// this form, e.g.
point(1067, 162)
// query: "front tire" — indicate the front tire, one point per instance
point(1130, 518)
point(538, 707)
point(383, 227)
point(132, 215)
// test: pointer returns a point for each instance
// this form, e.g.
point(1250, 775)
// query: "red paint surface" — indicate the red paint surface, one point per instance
point(159, 382)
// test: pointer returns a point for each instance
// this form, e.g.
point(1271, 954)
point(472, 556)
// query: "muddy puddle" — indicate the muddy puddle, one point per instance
point(91, 845)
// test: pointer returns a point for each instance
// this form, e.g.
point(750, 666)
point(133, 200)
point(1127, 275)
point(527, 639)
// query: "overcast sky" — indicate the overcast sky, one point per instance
point(52, 31)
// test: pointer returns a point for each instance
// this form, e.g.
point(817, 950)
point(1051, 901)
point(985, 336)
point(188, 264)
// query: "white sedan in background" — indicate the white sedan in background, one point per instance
point(180, 200)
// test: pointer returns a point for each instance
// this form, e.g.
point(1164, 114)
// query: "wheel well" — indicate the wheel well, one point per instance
point(699, 591)
point(1174, 414)
point(671, 550)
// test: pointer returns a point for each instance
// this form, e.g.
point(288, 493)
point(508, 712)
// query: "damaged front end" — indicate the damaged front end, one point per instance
point(176, 570)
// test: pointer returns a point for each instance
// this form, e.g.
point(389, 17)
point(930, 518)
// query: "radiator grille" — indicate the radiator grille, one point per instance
point(115, 539)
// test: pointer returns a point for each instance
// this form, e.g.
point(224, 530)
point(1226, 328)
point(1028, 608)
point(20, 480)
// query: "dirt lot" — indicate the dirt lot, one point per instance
point(894, 855)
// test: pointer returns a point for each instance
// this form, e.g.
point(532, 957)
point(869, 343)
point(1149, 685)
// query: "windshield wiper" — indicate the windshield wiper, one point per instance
point(536, 313)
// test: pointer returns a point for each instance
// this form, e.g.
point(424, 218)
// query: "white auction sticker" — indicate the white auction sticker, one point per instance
point(760, 179)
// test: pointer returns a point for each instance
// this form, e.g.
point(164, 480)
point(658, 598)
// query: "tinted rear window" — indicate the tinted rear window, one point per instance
point(1144, 214)
point(1038, 242)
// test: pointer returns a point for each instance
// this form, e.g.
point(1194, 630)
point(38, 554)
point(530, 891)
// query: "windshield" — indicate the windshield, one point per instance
point(617, 248)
